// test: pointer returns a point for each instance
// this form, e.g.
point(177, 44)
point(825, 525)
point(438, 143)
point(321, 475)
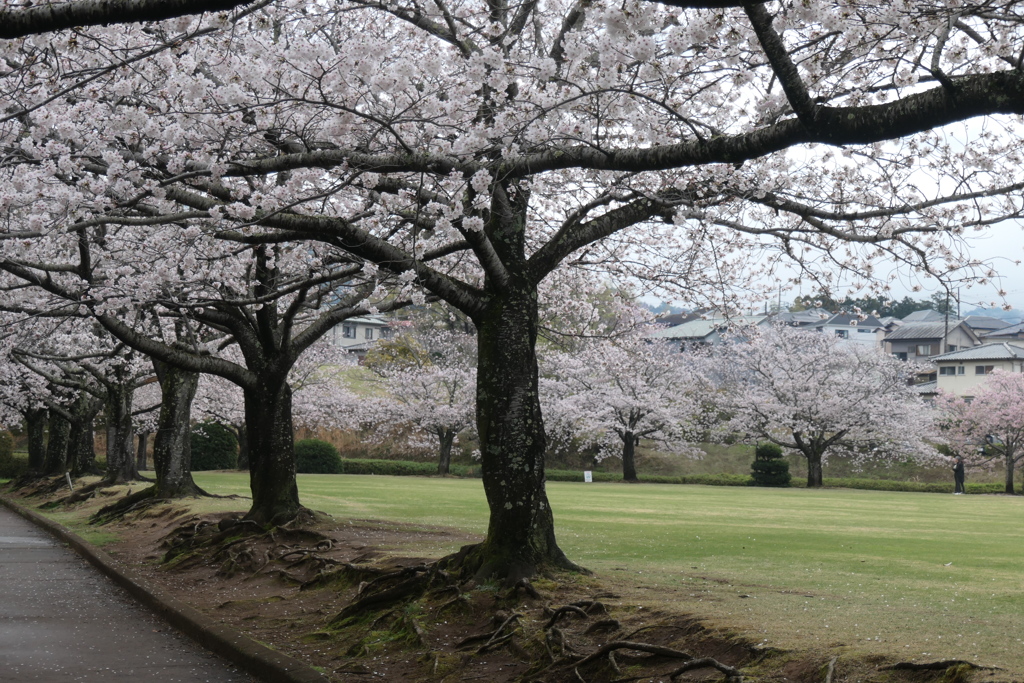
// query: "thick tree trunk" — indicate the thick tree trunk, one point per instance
point(1009, 459)
point(120, 454)
point(56, 458)
point(35, 429)
point(141, 455)
point(444, 460)
point(82, 445)
point(629, 442)
point(814, 478)
point(268, 426)
point(172, 447)
point(521, 535)
point(243, 447)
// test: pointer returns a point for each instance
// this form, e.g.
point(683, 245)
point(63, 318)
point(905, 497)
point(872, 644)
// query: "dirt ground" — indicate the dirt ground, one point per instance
point(328, 593)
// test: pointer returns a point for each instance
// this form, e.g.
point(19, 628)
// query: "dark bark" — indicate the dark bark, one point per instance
point(1010, 460)
point(120, 454)
point(55, 460)
point(48, 17)
point(444, 460)
point(243, 447)
point(520, 536)
point(81, 447)
point(141, 454)
point(268, 426)
point(81, 441)
point(172, 446)
point(814, 478)
point(35, 429)
point(629, 443)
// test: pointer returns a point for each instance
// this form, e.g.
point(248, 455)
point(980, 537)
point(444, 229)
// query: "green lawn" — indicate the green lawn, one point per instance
point(911, 575)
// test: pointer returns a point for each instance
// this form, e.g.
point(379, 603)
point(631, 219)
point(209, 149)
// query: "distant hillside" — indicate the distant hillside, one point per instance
point(1011, 316)
point(663, 309)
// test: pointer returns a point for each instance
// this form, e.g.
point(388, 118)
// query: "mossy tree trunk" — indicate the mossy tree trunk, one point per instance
point(520, 535)
point(142, 452)
point(121, 465)
point(55, 460)
point(172, 446)
point(81, 459)
point(444, 460)
point(271, 447)
point(629, 444)
point(35, 429)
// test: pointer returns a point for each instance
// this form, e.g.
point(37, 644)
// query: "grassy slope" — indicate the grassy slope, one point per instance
point(916, 576)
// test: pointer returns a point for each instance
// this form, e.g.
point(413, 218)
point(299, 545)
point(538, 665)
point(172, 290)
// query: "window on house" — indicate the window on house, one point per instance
point(902, 355)
point(943, 372)
point(843, 334)
point(950, 348)
point(924, 349)
point(961, 370)
point(368, 333)
point(385, 333)
point(348, 331)
point(983, 369)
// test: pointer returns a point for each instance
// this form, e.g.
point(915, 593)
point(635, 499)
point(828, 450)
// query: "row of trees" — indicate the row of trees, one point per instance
point(249, 177)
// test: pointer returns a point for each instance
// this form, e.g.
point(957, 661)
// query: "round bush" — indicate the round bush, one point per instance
point(313, 456)
point(769, 467)
point(214, 447)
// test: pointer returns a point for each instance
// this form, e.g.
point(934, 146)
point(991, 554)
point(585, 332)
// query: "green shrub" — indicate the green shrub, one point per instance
point(11, 466)
point(769, 468)
point(214, 447)
point(313, 456)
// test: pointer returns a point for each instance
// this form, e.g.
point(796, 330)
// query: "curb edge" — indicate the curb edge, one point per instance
point(258, 660)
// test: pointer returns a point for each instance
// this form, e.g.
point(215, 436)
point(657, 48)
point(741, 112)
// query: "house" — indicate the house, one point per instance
point(919, 341)
point(962, 372)
point(928, 315)
point(868, 331)
point(357, 335)
point(707, 331)
point(985, 324)
point(1008, 333)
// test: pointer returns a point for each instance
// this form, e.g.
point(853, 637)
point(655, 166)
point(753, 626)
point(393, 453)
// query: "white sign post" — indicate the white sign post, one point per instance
point(588, 476)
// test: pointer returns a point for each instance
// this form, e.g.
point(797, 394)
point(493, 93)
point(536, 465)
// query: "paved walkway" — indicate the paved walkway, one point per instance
point(61, 621)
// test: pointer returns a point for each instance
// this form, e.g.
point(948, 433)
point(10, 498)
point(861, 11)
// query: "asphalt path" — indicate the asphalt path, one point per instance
point(61, 621)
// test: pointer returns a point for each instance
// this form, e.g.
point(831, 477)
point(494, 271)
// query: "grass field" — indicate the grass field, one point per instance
point(911, 575)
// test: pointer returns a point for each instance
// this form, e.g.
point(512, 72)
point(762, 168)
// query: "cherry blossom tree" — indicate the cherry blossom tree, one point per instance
point(990, 427)
point(429, 382)
point(477, 148)
point(613, 393)
point(810, 393)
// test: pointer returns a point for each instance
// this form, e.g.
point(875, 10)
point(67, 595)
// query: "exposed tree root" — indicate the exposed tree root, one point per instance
point(936, 666)
point(731, 675)
point(133, 502)
point(603, 651)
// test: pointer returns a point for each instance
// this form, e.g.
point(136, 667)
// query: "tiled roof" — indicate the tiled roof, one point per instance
point(920, 331)
point(1010, 331)
point(926, 316)
point(699, 329)
point(927, 388)
point(994, 351)
point(985, 322)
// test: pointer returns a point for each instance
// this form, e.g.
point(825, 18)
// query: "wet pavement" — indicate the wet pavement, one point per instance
point(61, 621)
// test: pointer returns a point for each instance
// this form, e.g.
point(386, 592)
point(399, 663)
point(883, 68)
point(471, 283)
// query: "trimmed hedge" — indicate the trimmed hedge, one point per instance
point(313, 456)
point(402, 468)
point(909, 486)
